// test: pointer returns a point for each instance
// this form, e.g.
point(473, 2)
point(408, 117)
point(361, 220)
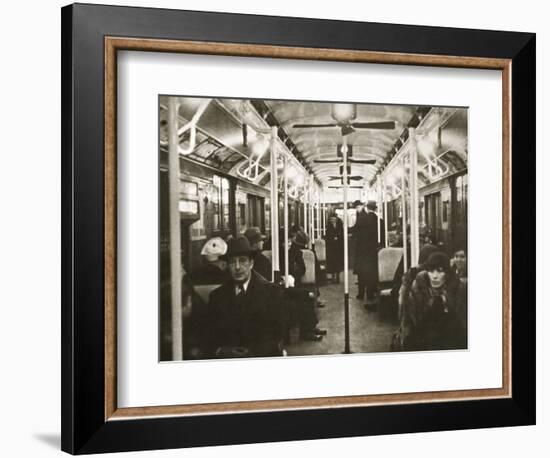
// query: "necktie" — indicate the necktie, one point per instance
point(239, 297)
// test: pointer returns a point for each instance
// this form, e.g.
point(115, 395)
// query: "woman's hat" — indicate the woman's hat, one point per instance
point(214, 248)
point(425, 252)
point(438, 260)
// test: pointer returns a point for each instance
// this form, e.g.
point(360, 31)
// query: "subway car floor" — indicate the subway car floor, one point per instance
point(368, 331)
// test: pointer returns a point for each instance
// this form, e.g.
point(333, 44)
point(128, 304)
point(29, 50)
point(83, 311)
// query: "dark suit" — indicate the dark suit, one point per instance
point(252, 321)
point(335, 246)
point(262, 266)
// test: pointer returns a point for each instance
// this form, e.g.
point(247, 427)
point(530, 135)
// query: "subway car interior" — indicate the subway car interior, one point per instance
point(302, 172)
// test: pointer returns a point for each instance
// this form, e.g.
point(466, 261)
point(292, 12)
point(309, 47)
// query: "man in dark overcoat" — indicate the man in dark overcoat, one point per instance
point(366, 249)
point(245, 313)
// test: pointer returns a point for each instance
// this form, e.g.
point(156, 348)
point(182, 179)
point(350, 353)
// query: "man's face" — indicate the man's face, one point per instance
point(259, 245)
point(240, 268)
point(358, 208)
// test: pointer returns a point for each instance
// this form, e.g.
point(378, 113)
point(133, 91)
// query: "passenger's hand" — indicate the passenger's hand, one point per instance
point(187, 307)
point(291, 281)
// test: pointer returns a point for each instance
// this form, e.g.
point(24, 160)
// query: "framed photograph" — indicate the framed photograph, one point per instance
point(271, 221)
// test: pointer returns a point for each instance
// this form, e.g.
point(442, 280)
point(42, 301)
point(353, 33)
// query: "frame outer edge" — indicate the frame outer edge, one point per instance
point(67, 368)
point(113, 436)
point(524, 197)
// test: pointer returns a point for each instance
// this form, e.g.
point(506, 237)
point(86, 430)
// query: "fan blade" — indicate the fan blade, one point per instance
point(308, 126)
point(374, 125)
point(327, 161)
point(351, 177)
point(363, 161)
point(340, 187)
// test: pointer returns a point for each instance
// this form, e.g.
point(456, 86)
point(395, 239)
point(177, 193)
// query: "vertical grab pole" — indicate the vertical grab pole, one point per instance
point(175, 230)
point(285, 213)
point(385, 212)
point(274, 207)
point(318, 216)
point(306, 208)
point(346, 260)
point(311, 213)
point(324, 216)
point(404, 217)
point(413, 158)
point(378, 226)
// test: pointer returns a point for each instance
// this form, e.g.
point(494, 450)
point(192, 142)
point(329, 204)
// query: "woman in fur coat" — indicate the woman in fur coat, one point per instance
point(434, 315)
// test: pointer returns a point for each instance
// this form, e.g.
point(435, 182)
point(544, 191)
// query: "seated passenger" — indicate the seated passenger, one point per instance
point(459, 265)
point(300, 305)
point(304, 238)
point(407, 278)
point(244, 314)
point(296, 266)
point(262, 265)
point(212, 270)
point(434, 315)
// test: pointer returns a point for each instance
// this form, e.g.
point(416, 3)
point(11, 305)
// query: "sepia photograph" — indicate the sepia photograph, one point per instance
point(296, 228)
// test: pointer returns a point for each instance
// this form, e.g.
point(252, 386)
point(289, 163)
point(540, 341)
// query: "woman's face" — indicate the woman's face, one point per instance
point(459, 260)
point(437, 278)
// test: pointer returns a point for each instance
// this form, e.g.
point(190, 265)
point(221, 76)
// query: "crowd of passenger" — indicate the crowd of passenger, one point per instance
point(248, 313)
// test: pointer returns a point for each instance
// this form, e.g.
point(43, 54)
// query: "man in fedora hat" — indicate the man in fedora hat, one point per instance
point(366, 260)
point(262, 265)
point(245, 312)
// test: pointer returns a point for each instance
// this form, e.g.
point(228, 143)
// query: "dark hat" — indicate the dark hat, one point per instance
point(301, 238)
point(357, 202)
point(239, 246)
point(371, 205)
point(254, 234)
point(425, 252)
point(438, 260)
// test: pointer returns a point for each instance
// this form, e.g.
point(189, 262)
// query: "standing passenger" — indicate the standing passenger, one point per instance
point(357, 231)
point(335, 247)
point(366, 230)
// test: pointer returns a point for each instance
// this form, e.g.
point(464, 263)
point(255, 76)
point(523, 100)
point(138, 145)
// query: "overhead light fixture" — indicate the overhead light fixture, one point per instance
point(260, 146)
point(343, 113)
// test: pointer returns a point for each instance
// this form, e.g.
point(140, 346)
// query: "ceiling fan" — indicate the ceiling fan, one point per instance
point(350, 157)
point(352, 177)
point(349, 187)
point(341, 178)
point(344, 114)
